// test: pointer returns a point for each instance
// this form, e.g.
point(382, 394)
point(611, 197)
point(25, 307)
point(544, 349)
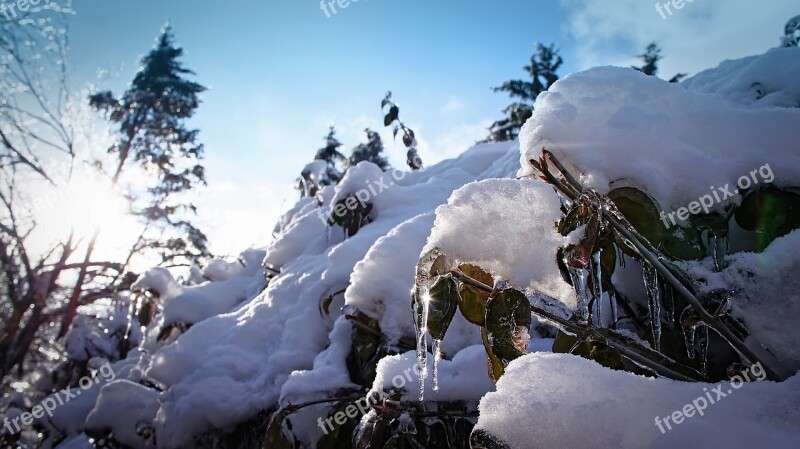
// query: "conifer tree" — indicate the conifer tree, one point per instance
point(330, 154)
point(791, 36)
point(542, 71)
point(372, 151)
point(650, 58)
point(150, 120)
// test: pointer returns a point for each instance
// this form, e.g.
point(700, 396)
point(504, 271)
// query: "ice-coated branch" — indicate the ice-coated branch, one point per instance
point(568, 185)
point(588, 332)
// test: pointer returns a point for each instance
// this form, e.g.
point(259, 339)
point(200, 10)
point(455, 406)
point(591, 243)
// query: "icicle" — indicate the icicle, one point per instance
point(653, 303)
point(437, 355)
point(721, 251)
point(598, 289)
point(702, 342)
point(669, 304)
point(421, 321)
point(689, 336)
point(716, 248)
point(578, 276)
point(612, 298)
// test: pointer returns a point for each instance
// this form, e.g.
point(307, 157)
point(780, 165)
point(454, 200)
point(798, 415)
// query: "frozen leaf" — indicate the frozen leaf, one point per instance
point(508, 319)
point(472, 301)
point(642, 213)
point(493, 363)
point(443, 304)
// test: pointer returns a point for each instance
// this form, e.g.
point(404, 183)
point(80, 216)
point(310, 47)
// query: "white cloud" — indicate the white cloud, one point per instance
point(455, 139)
point(453, 106)
point(239, 213)
point(700, 35)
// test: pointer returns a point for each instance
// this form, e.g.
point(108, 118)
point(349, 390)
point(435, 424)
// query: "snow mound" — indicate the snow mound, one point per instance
point(559, 400)
point(616, 125)
point(516, 239)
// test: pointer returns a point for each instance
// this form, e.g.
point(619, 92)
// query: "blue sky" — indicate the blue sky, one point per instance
point(280, 71)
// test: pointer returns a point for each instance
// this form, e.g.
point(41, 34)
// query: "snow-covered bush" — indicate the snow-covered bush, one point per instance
point(501, 272)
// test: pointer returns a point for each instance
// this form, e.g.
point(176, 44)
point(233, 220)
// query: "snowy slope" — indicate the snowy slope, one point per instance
point(228, 367)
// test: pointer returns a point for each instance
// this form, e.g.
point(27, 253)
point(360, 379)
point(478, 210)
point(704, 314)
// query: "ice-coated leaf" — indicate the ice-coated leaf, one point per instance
point(508, 320)
point(642, 213)
point(493, 363)
point(443, 304)
point(472, 301)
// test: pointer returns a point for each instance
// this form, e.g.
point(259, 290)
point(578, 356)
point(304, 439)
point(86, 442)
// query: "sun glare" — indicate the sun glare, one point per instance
point(87, 204)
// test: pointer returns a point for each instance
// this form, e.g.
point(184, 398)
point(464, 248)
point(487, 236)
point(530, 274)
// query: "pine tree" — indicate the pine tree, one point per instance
point(150, 119)
point(791, 37)
point(650, 58)
point(372, 151)
point(330, 154)
point(542, 71)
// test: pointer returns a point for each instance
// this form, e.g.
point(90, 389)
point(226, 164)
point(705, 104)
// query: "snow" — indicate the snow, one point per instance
point(776, 74)
point(248, 263)
point(123, 406)
point(381, 283)
point(229, 284)
point(507, 213)
point(160, 281)
point(767, 295)
point(587, 405)
point(329, 372)
point(463, 378)
point(616, 125)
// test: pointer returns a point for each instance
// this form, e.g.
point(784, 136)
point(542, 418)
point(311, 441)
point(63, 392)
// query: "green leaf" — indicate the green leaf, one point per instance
point(683, 243)
point(508, 317)
point(443, 305)
point(770, 212)
point(494, 364)
point(600, 353)
point(472, 301)
point(276, 437)
point(642, 213)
